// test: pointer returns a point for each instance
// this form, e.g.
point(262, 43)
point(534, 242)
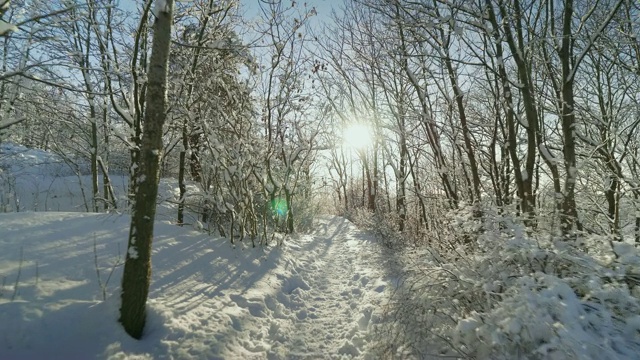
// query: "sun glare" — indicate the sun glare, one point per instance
point(357, 136)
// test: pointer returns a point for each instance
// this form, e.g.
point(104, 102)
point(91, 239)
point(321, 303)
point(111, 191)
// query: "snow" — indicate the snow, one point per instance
point(160, 7)
point(312, 297)
point(332, 293)
point(547, 154)
point(133, 251)
point(6, 27)
point(37, 180)
point(219, 44)
point(19, 160)
point(315, 296)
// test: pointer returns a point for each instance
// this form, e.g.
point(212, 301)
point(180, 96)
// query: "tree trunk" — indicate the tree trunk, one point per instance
point(401, 206)
point(344, 181)
point(611, 194)
point(107, 190)
point(136, 141)
point(109, 194)
point(195, 166)
point(95, 186)
point(462, 116)
point(496, 177)
point(288, 197)
point(368, 194)
point(181, 170)
point(433, 135)
point(385, 182)
point(523, 177)
point(181, 186)
point(137, 268)
point(413, 166)
point(636, 198)
point(568, 122)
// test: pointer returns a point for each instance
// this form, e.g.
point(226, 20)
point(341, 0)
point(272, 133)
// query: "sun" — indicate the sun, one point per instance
point(357, 136)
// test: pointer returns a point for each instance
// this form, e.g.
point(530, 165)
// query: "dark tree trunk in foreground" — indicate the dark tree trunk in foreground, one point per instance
point(137, 267)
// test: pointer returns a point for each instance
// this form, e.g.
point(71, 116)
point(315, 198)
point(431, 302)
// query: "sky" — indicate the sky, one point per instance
point(323, 7)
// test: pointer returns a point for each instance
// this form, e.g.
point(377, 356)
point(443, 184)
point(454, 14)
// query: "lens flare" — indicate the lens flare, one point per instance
point(279, 207)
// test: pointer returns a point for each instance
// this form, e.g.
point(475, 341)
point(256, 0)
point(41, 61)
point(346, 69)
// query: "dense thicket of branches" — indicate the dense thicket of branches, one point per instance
point(79, 78)
point(240, 132)
point(529, 107)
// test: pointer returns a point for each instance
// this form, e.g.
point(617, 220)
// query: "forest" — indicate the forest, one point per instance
point(491, 146)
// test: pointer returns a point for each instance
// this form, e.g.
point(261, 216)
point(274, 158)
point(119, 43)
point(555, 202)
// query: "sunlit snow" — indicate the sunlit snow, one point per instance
point(317, 296)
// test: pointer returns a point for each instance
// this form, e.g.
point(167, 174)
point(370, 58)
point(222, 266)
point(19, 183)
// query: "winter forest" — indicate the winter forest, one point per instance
point(368, 179)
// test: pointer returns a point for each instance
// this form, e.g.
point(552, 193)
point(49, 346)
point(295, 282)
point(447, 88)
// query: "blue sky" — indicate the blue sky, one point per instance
point(323, 7)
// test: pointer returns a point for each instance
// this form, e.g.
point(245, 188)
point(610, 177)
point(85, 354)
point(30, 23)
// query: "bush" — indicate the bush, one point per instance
point(383, 226)
point(506, 293)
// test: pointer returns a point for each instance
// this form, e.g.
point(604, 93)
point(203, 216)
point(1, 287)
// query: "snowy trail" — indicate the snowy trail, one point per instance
point(336, 297)
point(318, 303)
point(316, 297)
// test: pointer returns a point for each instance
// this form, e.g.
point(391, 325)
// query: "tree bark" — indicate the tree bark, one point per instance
point(523, 177)
point(462, 116)
point(433, 135)
point(401, 206)
point(290, 222)
point(137, 268)
point(413, 170)
point(568, 121)
point(181, 170)
point(107, 189)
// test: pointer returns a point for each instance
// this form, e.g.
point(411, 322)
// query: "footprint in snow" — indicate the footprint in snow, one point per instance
point(293, 283)
point(255, 308)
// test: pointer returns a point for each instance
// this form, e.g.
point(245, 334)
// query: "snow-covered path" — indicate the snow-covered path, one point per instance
point(336, 297)
point(316, 300)
point(316, 297)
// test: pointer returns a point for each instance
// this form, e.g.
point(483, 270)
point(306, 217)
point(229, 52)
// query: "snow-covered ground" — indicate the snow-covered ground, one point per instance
point(333, 293)
point(317, 296)
point(38, 180)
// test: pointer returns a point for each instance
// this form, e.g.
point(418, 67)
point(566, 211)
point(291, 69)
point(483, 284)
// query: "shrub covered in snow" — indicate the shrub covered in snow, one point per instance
point(496, 291)
point(538, 299)
point(383, 226)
